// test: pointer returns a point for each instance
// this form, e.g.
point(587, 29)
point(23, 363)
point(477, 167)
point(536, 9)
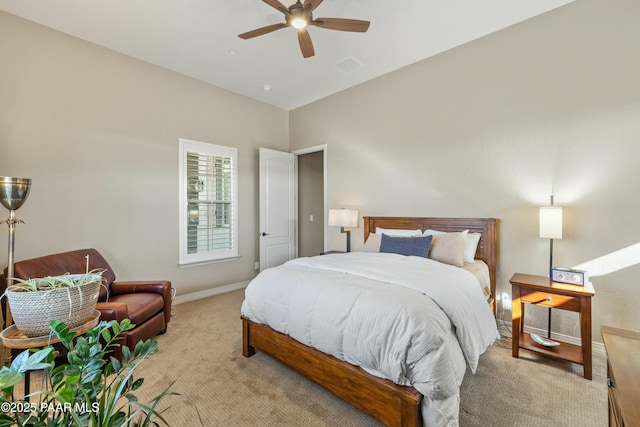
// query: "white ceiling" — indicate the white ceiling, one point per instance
point(198, 38)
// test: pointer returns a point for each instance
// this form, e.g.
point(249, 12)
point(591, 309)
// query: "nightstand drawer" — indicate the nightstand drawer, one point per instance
point(547, 299)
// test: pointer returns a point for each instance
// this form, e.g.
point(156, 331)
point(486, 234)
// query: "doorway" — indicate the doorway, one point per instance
point(311, 207)
point(292, 204)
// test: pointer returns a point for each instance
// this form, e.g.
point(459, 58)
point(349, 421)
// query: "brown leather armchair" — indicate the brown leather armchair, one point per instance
point(146, 303)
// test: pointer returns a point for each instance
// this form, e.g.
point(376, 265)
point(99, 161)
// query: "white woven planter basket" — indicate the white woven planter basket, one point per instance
point(33, 311)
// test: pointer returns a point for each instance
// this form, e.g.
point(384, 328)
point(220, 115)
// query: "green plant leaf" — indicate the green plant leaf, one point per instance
point(137, 384)
point(10, 378)
point(63, 332)
point(73, 370)
point(27, 361)
point(55, 282)
point(19, 360)
point(131, 397)
point(126, 325)
point(65, 395)
point(106, 335)
point(126, 354)
point(94, 365)
point(115, 363)
point(88, 378)
point(95, 350)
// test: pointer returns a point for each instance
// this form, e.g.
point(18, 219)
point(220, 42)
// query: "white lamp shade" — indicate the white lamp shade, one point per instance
point(551, 222)
point(343, 217)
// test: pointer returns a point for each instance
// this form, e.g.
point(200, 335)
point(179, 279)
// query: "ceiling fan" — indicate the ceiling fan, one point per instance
point(300, 16)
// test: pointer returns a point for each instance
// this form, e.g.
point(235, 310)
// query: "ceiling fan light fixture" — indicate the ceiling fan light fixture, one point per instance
point(300, 16)
point(299, 23)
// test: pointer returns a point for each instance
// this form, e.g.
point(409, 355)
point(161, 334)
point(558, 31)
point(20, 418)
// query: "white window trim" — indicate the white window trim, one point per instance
point(186, 259)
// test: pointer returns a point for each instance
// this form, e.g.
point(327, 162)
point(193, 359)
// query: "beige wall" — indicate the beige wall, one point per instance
point(98, 132)
point(492, 129)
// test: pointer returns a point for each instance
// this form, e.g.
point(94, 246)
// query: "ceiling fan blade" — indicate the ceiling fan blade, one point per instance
point(277, 5)
point(306, 46)
point(341, 24)
point(260, 31)
point(312, 4)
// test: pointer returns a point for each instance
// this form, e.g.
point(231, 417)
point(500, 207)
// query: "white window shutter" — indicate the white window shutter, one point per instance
point(208, 203)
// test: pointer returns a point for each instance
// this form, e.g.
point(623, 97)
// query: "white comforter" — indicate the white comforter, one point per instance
point(408, 319)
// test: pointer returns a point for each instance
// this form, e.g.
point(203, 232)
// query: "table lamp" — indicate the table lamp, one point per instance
point(344, 218)
point(550, 228)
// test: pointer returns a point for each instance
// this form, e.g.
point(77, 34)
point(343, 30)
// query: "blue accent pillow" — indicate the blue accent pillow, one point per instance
point(410, 246)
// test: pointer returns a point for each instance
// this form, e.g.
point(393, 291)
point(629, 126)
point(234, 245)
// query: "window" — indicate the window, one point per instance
point(208, 202)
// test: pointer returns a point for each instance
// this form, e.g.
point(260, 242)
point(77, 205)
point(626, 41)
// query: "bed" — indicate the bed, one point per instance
point(393, 403)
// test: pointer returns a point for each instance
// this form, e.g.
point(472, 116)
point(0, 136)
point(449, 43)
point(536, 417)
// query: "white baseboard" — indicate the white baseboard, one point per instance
point(596, 346)
point(209, 292)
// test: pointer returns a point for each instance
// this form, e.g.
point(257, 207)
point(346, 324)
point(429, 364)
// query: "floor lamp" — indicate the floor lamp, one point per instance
point(13, 194)
point(550, 228)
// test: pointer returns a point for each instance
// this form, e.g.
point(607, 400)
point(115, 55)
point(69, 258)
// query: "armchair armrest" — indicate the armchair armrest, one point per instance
point(112, 311)
point(162, 287)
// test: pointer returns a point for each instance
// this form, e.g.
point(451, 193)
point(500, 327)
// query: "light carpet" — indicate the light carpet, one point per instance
point(201, 352)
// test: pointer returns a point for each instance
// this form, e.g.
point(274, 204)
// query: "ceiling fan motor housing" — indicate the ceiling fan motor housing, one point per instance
point(298, 17)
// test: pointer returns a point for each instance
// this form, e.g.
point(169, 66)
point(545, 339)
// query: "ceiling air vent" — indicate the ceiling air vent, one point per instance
point(348, 65)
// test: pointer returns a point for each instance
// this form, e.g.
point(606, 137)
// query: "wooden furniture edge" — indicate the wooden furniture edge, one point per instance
point(487, 227)
point(627, 333)
point(623, 374)
point(545, 284)
point(389, 403)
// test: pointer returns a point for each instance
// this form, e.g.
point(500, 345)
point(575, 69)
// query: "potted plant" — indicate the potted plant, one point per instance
point(90, 389)
point(69, 298)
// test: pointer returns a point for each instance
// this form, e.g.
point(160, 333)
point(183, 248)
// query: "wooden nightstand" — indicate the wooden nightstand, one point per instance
point(540, 290)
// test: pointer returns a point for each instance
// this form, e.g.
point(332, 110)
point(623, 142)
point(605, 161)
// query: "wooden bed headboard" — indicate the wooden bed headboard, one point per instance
point(487, 227)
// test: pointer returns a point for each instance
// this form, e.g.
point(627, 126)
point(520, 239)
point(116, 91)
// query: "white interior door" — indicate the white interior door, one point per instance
point(277, 208)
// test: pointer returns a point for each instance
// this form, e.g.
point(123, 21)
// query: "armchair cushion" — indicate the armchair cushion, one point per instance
point(160, 288)
point(141, 306)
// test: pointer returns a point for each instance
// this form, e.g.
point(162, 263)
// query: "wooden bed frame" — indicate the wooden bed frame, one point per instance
point(389, 403)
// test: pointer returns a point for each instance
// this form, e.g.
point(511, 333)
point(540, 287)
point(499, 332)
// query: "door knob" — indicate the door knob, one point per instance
point(263, 234)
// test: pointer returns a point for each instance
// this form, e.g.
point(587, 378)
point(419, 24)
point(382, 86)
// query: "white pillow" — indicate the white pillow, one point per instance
point(373, 243)
point(470, 247)
point(398, 232)
point(448, 248)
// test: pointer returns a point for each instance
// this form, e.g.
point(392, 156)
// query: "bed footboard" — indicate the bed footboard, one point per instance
point(389, 403)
